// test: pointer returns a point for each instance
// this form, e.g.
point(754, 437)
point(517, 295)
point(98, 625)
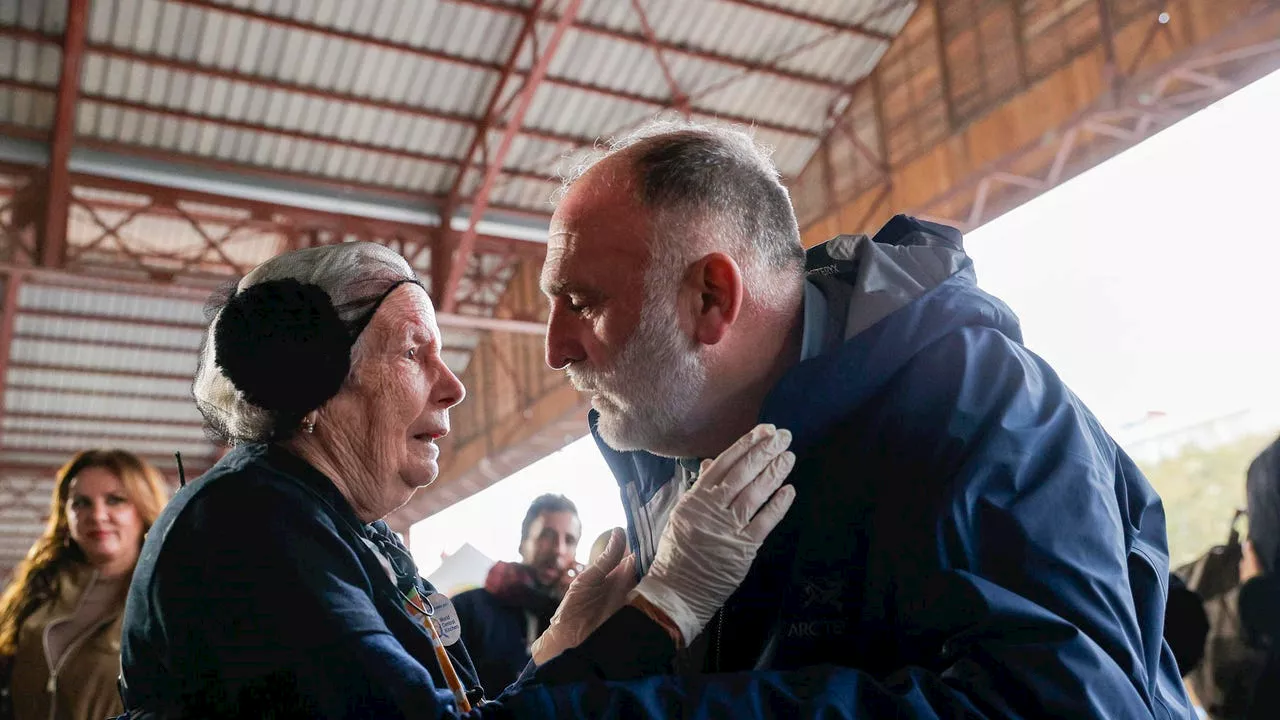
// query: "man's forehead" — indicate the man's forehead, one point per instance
point(597, 233)
point(558, 518)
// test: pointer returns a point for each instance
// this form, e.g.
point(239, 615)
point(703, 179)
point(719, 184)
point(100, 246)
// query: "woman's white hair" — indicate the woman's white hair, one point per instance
point(354, 275)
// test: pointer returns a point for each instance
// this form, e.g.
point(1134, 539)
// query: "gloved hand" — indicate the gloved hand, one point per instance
point(713, 533)
point(594, 595)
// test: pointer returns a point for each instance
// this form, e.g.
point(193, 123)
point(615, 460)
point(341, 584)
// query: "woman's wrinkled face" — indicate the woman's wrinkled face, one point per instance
point(396, 404)
point(102, 520)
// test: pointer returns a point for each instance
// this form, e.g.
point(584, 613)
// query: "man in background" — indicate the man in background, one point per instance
point(501, 620)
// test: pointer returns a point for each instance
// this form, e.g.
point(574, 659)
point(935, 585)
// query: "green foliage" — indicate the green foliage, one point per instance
point(1201, 489)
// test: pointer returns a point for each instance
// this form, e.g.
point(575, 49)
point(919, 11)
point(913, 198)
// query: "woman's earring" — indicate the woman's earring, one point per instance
point(308, 425)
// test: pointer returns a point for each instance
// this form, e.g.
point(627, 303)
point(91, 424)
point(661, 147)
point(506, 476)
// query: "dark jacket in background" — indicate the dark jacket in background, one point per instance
point(1262, 490)
point(500, 621)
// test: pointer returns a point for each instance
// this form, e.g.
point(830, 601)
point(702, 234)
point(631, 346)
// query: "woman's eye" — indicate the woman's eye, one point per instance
point(411, 353)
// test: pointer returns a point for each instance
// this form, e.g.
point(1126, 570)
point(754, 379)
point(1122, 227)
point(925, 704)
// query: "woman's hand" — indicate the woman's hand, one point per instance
point(594, 595)
point(713, 533)
point(1250, 568)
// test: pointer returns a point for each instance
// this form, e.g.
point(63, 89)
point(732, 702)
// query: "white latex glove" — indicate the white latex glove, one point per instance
point(597, 593)
point(713, 533)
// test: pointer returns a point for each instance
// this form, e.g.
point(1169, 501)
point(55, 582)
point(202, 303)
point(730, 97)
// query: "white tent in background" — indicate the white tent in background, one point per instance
point(461, 571)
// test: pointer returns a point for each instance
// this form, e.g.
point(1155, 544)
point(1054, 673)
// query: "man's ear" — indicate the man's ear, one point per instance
point(714, 287)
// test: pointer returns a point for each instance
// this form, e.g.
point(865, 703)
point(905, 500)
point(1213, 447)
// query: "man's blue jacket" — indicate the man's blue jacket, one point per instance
point(966, 540)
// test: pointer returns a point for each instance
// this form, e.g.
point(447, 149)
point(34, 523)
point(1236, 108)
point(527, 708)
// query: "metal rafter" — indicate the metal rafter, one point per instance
point(557, 80)
point(480, 203)
point(53, 244)
point(167, 197)
point(178, 114)
point(318, 181)
point(445, 244)
point(679, 98)
point(8, 319)
point(851, 28)
point(1141, 105)
point(270, 83)
point(615, 34)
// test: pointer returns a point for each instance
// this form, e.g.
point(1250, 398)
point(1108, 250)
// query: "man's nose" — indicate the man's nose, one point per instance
point(563, 346)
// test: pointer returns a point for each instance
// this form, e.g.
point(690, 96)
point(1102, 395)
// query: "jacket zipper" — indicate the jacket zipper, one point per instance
point(715, 638)
point(54, 668)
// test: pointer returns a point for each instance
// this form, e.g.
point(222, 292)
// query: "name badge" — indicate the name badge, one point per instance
point(446, 617)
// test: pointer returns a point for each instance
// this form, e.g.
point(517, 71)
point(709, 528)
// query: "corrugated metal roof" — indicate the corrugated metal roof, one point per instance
point(391, 54)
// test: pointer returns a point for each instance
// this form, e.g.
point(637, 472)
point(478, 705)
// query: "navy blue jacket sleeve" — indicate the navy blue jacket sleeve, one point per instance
point(1050, 544)
point(1047, 545)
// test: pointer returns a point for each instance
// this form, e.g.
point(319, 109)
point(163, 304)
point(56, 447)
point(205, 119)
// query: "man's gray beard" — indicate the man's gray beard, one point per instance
point(648, 398)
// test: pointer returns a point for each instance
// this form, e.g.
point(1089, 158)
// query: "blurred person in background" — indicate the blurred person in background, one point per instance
point(1239, 675)
point(1186, 626)
point(60, 618)
point(501, 620)
point(271, 586)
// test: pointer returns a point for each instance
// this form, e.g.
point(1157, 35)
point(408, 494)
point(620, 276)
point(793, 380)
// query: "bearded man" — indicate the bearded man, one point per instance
point(966, 539)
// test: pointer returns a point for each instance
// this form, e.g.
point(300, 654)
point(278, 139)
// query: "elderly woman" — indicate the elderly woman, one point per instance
point(60, 617)
point(270, 587)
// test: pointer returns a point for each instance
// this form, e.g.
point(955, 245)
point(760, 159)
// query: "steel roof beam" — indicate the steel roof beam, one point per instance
point(282, 132)
point(8, 320)
point(317, 181)
point(679, 98)
point(483, 65)
point(522, 101)
point(445, 245)
point(66, 279)
point(52, 246)
point(614, 34)
point(330, 95)
point(70, 417)
point(851, 28)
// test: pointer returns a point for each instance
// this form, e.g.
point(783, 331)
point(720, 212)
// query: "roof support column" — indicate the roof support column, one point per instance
point(53, 231)
point(493, 166)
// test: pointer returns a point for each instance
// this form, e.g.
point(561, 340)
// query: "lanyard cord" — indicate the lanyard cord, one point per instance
point(442, 656)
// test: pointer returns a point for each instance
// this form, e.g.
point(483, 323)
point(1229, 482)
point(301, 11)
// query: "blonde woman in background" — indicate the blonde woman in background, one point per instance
point(60, 618)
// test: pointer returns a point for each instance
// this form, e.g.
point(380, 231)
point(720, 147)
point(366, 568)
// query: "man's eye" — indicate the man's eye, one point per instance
point(411, 353)
point(577, 305)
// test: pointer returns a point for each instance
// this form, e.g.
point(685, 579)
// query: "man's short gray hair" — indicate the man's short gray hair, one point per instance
point(354, 275)
point(709, 182)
